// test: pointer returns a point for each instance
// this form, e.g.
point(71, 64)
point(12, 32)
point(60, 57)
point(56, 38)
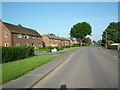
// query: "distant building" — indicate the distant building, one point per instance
point(71, 41)
point(17, 35)
point(52, 40)
point(75, 41)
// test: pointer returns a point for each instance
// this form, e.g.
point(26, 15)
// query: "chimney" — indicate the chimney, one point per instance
point(20, 25)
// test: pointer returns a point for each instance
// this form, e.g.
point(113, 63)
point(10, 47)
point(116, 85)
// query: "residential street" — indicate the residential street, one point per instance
point(88, 67)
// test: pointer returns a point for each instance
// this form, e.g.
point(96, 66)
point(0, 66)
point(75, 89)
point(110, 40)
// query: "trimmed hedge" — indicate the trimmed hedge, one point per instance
point(16, 53)
point(49, 48)
point(76, 45)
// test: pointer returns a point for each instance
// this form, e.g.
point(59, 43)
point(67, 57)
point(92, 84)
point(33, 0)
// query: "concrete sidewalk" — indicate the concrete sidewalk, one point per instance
point(112, 52)
point(34, 76)
point(50, 53)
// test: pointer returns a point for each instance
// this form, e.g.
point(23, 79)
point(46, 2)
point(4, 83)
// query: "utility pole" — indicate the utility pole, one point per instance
point(106, 39)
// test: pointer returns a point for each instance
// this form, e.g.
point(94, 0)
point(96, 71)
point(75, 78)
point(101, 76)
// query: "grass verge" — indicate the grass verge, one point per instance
point(13, 70)
point(41, 50)
point(110, 49)
point(68, 50)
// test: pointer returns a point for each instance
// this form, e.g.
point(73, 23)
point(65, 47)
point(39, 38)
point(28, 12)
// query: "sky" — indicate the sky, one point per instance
point(59, 17)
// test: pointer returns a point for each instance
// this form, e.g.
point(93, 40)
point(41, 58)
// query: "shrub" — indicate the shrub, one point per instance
point(67, 46)
point(52, 47)
point(77, 45)
point(16, 53)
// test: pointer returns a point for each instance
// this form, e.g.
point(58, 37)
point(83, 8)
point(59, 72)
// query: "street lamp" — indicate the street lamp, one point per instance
point(106, 39)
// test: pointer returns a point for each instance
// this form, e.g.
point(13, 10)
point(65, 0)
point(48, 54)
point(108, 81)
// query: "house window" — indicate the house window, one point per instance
point(6, 34)
point(19, 36)
point(17, 44)
point(6, 45)
point(26, 44)
point(33, 37)
point(38, 38)
point(26, 36)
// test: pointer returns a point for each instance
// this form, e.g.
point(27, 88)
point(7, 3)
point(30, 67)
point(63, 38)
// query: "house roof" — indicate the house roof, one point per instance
point(56, 37)
point(21, 30)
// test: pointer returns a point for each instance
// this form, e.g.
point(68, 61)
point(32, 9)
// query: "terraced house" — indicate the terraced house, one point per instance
point(17, 35)
point(52, 40)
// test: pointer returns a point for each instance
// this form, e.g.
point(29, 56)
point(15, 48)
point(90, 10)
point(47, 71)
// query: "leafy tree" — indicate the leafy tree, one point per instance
point(94, 42)
point(112, 33)
point(87, 40)
point(80, 30)
point(99, 42)
point(52, 34)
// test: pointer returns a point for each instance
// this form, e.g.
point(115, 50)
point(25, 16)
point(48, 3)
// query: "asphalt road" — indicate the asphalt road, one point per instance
point(88, 67)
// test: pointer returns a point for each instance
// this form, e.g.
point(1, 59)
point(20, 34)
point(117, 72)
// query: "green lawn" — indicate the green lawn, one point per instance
point(41, 50)
point(15, 69)
point(68, 50)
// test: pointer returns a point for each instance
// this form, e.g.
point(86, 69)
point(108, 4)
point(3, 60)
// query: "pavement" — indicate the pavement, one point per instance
point(50, 53)
point(112, 52)
point(86, 67)
point(31, 78)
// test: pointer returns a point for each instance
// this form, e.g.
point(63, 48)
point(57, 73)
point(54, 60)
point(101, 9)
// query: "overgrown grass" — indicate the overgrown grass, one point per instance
point(68, 50)
point(15, 69)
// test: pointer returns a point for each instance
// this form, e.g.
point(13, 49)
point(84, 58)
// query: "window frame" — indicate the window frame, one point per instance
point(26, 36)
point(19, 35)
point(6, 33)
point(17, 44)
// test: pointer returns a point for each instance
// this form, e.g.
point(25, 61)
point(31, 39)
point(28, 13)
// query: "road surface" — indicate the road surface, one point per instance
point(88, 67)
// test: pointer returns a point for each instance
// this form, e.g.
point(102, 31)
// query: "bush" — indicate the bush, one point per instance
point(52, 47)
point(16, 53)
point(88, 44)
point(77, 45)
point(67, 46)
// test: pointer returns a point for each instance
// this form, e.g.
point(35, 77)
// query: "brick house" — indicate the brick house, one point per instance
point(73, 41)
point(17, 35)
point(64, 41)
point(52, 40)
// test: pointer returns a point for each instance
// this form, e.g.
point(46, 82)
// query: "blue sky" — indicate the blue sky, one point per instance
point(59, 17)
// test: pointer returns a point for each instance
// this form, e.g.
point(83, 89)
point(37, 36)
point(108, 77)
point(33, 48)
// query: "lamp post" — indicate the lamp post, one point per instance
point(106, 39)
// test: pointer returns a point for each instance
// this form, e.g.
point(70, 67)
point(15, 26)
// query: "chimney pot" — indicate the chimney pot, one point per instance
point(20, 25)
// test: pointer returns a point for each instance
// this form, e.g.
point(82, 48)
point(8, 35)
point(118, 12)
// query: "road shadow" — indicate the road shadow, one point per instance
point(63, 87)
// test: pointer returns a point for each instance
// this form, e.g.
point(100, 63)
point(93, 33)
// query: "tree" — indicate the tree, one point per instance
point(52, 34)
point(99, 42)
point(87, 41)
point(94, 42)
point(112, 33)
point(80, 30)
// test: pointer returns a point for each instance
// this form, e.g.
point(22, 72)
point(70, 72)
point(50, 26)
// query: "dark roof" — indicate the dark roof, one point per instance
point(20, 29)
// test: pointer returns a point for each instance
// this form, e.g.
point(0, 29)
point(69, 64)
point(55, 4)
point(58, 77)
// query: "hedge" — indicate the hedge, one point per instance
point(16, 53)
point(49, 48)
point(76, 45)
